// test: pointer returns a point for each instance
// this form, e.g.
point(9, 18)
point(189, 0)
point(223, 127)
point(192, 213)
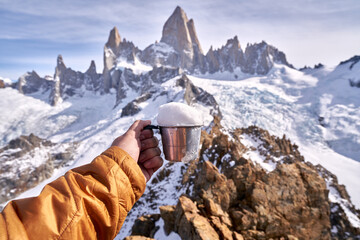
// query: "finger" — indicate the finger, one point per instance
point(149, 153)
point(153, 163)
point(146, 173)
point(149, 143)
point(139, 125)
point(155, 169)
point(147, 133)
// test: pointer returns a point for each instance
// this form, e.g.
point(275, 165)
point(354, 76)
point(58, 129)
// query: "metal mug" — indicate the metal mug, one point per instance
point(180, 143)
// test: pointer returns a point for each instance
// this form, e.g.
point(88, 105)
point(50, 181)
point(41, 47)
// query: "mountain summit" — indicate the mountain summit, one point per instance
point(180, 34)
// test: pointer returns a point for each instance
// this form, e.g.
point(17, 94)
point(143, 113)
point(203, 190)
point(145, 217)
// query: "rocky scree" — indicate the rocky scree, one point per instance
point(29, 160)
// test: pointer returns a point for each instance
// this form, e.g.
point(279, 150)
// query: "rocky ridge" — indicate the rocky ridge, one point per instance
point(29, 160)
point(352, 66)
point(180, 47)
point(31, 82)
point(227, 195)
point(65, 83)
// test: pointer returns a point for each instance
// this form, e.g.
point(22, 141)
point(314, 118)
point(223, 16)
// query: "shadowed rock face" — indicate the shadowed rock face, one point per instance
point(260, 57)
point(31, 82)
point(193, 94)
point(177, 35)
point(68, 82)
point(237, 199)
point(227, 58)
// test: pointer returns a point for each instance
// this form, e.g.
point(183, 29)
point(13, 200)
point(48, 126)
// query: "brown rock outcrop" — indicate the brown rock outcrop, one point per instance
point(168, 214)
point(145, 226)
point(244, 201)
point(270, 204)
point(241, 200)
point(189, 224)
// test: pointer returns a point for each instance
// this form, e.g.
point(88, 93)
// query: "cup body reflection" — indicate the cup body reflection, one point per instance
point(180, 143)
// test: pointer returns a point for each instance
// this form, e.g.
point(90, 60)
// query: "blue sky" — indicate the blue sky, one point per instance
point(33, 33)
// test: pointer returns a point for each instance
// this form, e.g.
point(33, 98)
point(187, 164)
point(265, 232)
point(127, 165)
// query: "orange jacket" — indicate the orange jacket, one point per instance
point(89, 202)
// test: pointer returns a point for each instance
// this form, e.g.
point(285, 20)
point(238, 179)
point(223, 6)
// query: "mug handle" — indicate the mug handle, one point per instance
point(152, 127)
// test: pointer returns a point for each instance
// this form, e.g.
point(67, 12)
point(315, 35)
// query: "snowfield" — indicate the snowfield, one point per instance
point(316, 110)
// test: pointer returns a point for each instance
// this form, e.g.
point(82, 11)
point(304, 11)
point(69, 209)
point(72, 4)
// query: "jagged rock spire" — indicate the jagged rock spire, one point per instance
point(60, 62)
point(175, 32)
point(193, 35)
point(114, 41)
point(179, 33)
point(92, 68)
point(60, 67)
point(111, 52)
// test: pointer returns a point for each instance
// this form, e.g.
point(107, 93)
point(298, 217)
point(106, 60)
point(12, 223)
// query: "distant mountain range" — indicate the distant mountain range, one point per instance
point(179, 50)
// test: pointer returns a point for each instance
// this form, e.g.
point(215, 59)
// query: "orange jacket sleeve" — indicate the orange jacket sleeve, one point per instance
point(89, 202)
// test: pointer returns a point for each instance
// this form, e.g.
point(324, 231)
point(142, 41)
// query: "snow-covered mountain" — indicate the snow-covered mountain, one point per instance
point(179, 50)
point(317, 109)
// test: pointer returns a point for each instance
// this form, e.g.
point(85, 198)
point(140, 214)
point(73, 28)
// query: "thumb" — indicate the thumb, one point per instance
point(138, 126)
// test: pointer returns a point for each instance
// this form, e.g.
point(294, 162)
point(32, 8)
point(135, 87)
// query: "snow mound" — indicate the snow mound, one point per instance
point(178, 114)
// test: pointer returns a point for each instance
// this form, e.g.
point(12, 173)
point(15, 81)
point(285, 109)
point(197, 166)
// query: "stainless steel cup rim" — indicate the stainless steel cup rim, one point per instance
point(197, 126)
point(159, 126)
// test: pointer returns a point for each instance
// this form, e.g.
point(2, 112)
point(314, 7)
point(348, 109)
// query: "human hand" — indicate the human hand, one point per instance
point(142, 146)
